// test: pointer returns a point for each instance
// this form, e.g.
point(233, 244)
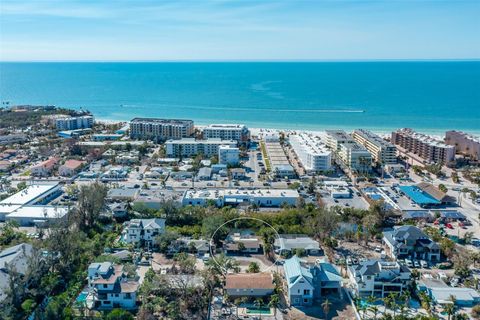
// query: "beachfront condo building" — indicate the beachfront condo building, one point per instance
point(188, 147)
point(355, 157)
point(383, 152)
point(349, 153)
point(337, 137)
point(312, 152)
point(228, 155)
point(464, 143)
point(425, 147)
point(238, 132)
point(160, 129)
point(74, 123)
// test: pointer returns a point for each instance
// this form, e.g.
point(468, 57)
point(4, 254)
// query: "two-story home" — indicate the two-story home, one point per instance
point(249, 285)
point(143, 231)
point(410, 242)
point(379, 278)
point(110, 288)
point(306, 283)
point(45, 168)
point(241, 241)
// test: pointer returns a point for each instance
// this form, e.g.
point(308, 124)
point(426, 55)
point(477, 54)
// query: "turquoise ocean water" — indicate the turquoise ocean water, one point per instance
point(427, 96)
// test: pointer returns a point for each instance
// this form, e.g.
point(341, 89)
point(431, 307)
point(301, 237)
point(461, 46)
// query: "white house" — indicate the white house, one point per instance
point(110, 288)
point(143, 231)
point(379, 278)
point(308, 282)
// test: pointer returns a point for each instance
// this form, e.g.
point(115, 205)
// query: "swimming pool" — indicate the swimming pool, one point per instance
point(82, 297)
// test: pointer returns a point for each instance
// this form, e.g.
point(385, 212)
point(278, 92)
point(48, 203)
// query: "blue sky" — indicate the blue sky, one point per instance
point(238, 30)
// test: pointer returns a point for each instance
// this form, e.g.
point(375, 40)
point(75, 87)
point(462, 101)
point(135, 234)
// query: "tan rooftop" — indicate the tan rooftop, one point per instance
point(249, 281)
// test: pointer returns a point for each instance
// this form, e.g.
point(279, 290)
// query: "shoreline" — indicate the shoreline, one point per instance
point(255, 130)
point(383, 132)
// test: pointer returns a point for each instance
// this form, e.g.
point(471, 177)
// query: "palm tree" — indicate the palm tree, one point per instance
point(426, 302)
point(258, 303)
point(371, 300)
point(253, 267)
point(450, 308)
point(374, 309)
point(404, 301)
point(326, 308)
point(274, 303)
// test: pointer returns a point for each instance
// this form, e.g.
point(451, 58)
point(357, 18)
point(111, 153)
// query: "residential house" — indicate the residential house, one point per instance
point(110, 288)
point(143, 231)
point(288, 244)
point(410, 242)
point(379, 278)
point(16, 258)
point(238, 173)
point(119, 210)
point(249, 285)
point(441, 293)
point(122, 194)
point(242, 241)
point(70, 167)
point(44, 168)
point(308, 282)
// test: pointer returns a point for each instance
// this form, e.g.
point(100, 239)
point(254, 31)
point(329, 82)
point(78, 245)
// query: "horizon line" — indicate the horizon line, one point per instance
point(244, 60)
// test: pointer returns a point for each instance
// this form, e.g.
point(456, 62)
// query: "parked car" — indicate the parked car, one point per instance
point(424, 264)
point(409, 263)
point(416, 264)
point(449, 225)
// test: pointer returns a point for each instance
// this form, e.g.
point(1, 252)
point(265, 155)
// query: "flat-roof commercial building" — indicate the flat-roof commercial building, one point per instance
point(427, 148)
point(312, 152)
point(160, 129)
point(188, 147)
point(225, 197)
point(73, 123)
point(355, 157)
point(25, 205)
point(464, 143)
point(383, 152)
point(37, 215)
point(237, 132)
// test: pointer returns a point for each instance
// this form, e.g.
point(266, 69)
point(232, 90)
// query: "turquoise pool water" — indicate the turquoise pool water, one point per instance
point(82, 297)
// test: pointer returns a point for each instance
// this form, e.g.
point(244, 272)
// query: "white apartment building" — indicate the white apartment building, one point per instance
point(73, 123)
point(237, 132)
point(110, 288)
point(160, 129)
point(355, 157)
point(383, 152)
point(335, 138)
point(379, 278)
point(312, 152)
point(143, 230)
point(228, 155)
point(464, 143)
point(188, 147)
